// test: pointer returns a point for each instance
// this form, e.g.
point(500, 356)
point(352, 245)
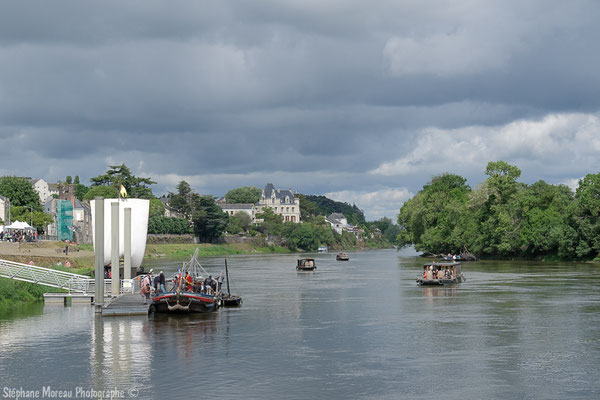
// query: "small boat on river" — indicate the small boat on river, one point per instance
point(190, 291)
point(228, 299)
point(342, 257)
point(306, 264)
point(441, 273)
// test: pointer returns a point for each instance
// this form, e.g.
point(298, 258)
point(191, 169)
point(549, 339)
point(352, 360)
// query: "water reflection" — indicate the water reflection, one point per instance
point(120, 356)
point(439, 291)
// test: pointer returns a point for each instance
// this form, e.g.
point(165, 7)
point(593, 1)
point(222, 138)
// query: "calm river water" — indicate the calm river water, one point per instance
point(351, 330)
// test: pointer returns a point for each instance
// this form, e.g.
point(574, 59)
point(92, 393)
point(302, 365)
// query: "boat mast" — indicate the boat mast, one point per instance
point(227, 276)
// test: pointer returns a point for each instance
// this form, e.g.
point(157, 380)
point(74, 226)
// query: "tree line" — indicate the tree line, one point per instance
point(201, 215)
point(504, 218)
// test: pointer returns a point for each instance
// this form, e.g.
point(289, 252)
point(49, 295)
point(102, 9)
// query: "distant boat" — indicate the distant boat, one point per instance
point(229, 300)
point(342, 257)
point(322, 249)
point(441, 273)
point(306, 264)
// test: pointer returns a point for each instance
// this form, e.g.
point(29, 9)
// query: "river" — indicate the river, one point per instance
point(350, 330)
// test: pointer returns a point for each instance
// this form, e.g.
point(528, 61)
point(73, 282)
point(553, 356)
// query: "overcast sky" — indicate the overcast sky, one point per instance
point(362, 101)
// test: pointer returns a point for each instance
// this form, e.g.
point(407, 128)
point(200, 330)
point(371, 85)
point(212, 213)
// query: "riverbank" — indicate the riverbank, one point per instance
point(171, 250)
point(15, 294)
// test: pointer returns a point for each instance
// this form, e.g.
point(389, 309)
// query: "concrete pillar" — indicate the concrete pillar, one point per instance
point(127, 244)
point(114, 257)
point(99, 253)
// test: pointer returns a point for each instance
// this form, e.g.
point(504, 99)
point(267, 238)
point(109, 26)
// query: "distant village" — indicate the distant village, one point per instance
point(72, 218)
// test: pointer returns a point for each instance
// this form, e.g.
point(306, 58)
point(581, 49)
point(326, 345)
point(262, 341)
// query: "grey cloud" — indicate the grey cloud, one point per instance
point(311, 94)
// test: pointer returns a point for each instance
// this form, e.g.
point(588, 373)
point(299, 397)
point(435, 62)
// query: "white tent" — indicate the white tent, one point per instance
point(19, 225)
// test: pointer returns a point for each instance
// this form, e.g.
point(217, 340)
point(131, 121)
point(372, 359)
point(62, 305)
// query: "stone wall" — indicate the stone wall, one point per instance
point(171, 239)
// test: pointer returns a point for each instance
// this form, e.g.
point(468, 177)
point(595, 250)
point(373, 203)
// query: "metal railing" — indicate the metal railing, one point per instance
point(59, 279)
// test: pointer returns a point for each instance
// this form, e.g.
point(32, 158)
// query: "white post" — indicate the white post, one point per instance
point(99, 254)
point(114, 237)
point(127, 249)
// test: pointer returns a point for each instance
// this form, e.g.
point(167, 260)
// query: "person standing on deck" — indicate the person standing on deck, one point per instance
point(189, 281)
point(145, 290)
point(162, 282)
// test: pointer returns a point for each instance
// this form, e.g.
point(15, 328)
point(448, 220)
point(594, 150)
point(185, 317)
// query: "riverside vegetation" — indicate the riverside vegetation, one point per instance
point(503, 218)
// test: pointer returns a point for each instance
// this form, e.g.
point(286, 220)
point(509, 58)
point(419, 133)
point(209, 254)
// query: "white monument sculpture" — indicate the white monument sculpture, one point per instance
point(140, 209)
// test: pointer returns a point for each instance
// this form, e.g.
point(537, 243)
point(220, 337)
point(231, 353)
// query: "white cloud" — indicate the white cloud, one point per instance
point(558, 142)
point(377, 204)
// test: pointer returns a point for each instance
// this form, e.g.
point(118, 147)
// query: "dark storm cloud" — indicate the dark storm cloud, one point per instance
point(338, 97)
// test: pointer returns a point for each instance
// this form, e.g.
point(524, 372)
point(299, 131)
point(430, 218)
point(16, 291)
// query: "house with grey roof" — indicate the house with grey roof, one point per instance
point(232, 209)
point(170, 211)
point(338, 222)
point(44, 189)
point(282, 201)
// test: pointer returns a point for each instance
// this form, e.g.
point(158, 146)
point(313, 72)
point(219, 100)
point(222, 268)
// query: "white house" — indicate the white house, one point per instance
point(232, 209)
point(282, 201)
point(44, 189)
point(338, 222)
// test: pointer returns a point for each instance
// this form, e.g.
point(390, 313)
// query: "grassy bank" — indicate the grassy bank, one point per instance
point(16, 293)
point(208, 250)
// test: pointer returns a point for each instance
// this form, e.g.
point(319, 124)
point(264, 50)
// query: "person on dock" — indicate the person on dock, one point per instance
point(220, 279)
point(156, 283)
point(145, 289)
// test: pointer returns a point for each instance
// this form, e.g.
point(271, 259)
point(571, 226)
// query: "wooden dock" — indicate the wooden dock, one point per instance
point(126, 304)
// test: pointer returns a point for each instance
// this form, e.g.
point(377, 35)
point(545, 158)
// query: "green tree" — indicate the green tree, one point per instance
point(69, 180)
point(208, 218)
point(80, 190)
point(38, 219)
point(119, 175)
point(326, 206)
point(165, 225)
point(308, 208)
point(20, 192)
point(246, 194)
point(76, 181)
point(182, 201)
point(433, 219)
point(108, 192)
point(545, 215)
point(157, 208)
point(498, 217)
point(271, 222)
point(239, 222)
point(587, 197)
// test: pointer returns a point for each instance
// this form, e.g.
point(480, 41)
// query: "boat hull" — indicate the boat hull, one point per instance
point(186, 302)
point(439, 282)
point(231, 301)
point(306, 268)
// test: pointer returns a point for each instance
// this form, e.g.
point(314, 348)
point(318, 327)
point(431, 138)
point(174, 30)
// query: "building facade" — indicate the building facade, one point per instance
point(282, 201)
point(232, 209)
point(44, 189)
point(338, 222)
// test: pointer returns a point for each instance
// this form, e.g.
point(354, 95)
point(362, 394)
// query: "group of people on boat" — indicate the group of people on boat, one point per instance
point(201, 285)
point(430, 273)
